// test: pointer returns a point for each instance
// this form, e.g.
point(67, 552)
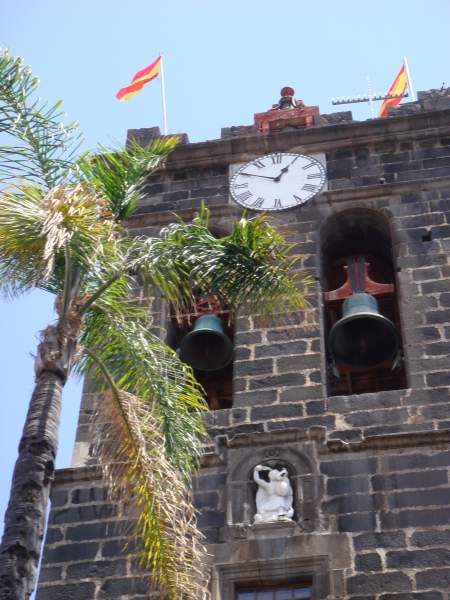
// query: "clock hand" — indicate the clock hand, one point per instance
point(263, 176)
point(285, 169)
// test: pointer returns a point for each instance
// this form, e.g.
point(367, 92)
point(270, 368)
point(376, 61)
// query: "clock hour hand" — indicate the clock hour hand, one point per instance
point(284, 169)
point(263, 176)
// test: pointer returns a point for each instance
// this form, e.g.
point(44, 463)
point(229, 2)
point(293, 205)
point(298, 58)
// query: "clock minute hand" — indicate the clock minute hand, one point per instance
point(263, 176)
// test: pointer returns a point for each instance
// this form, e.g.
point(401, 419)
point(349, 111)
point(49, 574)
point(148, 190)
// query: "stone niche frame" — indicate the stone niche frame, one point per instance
point(294, 449)
point(228, 578)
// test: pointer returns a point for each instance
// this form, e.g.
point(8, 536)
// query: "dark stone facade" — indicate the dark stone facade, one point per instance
point(371, 470)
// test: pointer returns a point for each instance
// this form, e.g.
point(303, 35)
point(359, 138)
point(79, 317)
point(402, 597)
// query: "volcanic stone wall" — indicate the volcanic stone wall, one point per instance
point(372, 516)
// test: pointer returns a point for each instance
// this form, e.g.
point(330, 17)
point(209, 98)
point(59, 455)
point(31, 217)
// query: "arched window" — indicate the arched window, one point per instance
point(357, 262)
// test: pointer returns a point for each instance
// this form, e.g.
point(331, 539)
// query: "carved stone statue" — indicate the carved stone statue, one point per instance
point(274, 497)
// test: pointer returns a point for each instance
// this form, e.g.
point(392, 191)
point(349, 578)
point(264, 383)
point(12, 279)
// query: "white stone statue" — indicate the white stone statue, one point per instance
point(274, 497)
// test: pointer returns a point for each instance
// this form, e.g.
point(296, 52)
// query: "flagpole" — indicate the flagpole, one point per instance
point(370, 95)
point(163, 96)
point(408, 78)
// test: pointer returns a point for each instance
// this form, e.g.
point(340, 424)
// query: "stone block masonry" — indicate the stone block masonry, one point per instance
point(370, 471)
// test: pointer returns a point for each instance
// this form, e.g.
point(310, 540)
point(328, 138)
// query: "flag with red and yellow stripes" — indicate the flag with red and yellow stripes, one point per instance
point(398, 88)
point(139, 80)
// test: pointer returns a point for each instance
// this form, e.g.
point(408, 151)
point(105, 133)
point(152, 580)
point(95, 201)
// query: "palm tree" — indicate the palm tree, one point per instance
point(61, 230)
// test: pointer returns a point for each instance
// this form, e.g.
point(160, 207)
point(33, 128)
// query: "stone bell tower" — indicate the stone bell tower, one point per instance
point(327, 472)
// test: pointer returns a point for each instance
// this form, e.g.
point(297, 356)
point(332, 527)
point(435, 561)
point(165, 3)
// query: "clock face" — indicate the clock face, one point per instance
point(277, 181)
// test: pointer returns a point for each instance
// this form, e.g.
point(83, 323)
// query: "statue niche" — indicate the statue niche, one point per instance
point(293, 451)
point(274, 497)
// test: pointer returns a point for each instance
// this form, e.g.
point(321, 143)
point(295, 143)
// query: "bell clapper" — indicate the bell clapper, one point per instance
point(334, 369)
point(397, 361)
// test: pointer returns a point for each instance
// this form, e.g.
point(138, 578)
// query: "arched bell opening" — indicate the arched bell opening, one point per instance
point(204, 340)
point(361, 311)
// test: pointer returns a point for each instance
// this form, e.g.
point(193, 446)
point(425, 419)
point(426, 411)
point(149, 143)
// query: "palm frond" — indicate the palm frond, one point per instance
point(43, 146)
point(119, 175)
point(152, 434)
point(133, 458)
point(254, 268)
point(79, 216)
point(22, 242)
point(142, 364)
point(36, 226)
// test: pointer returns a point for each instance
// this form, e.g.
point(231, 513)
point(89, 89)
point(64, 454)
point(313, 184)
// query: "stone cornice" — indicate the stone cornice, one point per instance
point(393, 440)
point(76, 474)
point(244, 440)
point(386, 189)
point(314, 139)
point(318, 434)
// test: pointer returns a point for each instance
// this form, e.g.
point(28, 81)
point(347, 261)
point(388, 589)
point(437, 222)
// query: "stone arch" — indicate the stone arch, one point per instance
point(352, 233)
point(217, 384)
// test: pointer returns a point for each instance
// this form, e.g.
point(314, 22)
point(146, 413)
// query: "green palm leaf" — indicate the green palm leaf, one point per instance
point(120, 175)
point(133, 455)
point(252, 269)
point(37, 228)
point(142, 364)
point(43, 146)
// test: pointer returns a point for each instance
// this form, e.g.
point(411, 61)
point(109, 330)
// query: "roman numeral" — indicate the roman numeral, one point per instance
point(240, 185)
point(314, 176)
point(277, 203)
point(308, 166)
point(298, 199)
point(244, 196)
point(276, 158)
point(258, 163)
point(257, 203)
point(310, 188)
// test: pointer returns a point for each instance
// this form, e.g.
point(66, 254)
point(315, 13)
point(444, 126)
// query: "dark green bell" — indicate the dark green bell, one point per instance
point(362, 337)
point(207, 347)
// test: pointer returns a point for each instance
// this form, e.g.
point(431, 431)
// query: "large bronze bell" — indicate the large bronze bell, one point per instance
point(207, 347)
point(362, 337)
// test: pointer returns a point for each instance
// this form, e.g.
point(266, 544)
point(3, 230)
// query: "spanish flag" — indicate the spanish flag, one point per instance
point(398, 88)
point(139, 80)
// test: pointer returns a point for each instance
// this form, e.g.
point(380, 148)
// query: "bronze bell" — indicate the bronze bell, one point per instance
point(362, 337)
point(207, 347)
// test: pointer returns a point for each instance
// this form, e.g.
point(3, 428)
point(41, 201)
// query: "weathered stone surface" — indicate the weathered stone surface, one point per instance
point(434, 578)
point(385, 539)
point(346, 485)
point(71, 552)
point(357, 522)
point(415, 559)
point(368, 562)
point(413, 596)
point(432, 537)
point(380, 582)
point(349, 468)
point(74, 591)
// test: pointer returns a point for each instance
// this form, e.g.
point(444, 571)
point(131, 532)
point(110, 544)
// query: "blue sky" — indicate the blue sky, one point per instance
point(224, 61)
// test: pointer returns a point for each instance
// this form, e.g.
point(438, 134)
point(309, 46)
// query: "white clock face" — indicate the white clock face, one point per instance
point(277, 181)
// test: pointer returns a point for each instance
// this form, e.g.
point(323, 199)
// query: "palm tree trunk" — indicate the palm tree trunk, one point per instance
point(33, 473)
